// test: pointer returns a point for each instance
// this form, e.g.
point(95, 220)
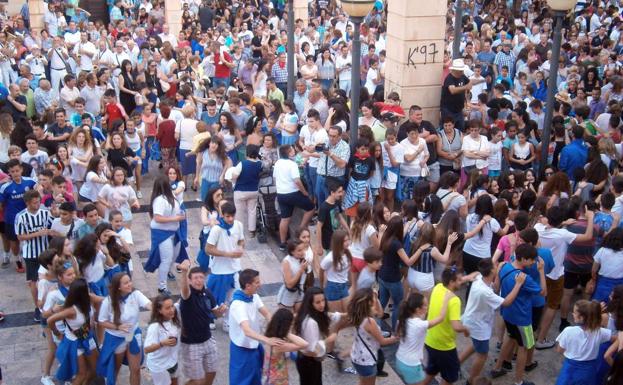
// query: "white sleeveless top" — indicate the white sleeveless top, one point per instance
point(134, 142)
point(521, 152)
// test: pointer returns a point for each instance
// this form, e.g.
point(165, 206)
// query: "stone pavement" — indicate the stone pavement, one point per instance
point(22, 348)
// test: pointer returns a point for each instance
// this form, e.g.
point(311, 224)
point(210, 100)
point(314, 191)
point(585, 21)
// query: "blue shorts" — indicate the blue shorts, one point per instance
point(410, 374)
point(336, 291)
point(288, 202)
point(365, 370)
point(494, 173)
point(220, 285)
point(481, 346)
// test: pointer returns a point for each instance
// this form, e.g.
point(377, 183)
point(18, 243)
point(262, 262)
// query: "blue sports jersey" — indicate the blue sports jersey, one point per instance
point(12, 196)
point(533, 272)
point(520, 311)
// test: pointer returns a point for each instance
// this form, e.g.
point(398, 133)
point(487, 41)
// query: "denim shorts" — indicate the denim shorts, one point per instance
point(336, 291)
point(481, 346)
point(410, 374)
point(365, 370)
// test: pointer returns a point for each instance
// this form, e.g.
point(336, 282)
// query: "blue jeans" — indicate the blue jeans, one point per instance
point(220, 82)
point(310, 178)
point(395, 291)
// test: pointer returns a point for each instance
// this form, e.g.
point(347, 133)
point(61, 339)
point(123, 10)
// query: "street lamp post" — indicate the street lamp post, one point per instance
point(290, 49)
point(356, 10)
point(458, 29)
point(560, 9)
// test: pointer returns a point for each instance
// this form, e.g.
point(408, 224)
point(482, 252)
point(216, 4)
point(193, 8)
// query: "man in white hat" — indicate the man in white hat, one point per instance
point(453, 93)
point(36, 61)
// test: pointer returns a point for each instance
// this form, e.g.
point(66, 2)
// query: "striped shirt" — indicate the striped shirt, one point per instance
point(426, 263)
point(28, 223)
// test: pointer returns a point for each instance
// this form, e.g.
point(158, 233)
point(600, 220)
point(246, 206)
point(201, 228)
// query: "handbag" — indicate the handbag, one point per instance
point(67, 66)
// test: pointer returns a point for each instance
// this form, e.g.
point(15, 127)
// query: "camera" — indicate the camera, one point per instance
point(321, 147)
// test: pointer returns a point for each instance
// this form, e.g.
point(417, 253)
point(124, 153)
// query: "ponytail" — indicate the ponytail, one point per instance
point(590, 311)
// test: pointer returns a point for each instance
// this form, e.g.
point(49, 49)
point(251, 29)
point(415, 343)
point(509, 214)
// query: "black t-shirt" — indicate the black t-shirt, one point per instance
point(15, 113)
point(116, 157)
point(48, 146)
point(57, 131)
point(196, 313)
point(424, 126)
point(206, 18)
point(256, 42)
point(453, 103)
point(327, 215)
point(390, 270)
point(361, 169)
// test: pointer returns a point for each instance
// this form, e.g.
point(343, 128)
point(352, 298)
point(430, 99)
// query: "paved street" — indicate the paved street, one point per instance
point(22, 347)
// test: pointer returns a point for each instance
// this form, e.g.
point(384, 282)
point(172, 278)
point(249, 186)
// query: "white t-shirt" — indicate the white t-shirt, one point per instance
point(581, 345)
point(411, 348)
point(285, 172)
point(477, 89)
point(186, 129)
point(470, 144)
point(610, 262)
point(242, 311)
point(371, 77)
point(218, 237)
point(95, 271)
point(162, 207)
point(366, 279)
point(119, 198)
point(480, 244)
point(336, 276)
point(130, 311)
point(55, 297)
point(165, 357)
point(311, 333)
point(90, 189)
point(45, 287)
point(557, 240)
point(59, 227)
point(495, 156)
point(414, 167)
point(310, 138)
point(480, 310)
point(357, 247)
point(397, 151)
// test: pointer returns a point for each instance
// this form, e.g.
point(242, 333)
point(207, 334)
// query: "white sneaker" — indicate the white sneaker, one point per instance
point(225, 326)
point(139, 194)
point(47, 380)
point(545, 344)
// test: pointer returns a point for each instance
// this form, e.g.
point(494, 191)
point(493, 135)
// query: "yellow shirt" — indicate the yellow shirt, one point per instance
point(442, 336)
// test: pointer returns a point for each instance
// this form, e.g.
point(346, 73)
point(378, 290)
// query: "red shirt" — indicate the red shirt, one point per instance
point(166, 134)
point(114, 112)
point(221, 70)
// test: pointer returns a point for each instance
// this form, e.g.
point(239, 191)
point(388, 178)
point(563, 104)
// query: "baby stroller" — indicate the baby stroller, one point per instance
point(267, 210)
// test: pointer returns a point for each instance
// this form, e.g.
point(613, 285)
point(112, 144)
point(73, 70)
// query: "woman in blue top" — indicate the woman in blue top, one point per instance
point(246, 176)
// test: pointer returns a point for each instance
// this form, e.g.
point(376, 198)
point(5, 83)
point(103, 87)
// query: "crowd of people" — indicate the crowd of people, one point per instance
point(408, 234)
